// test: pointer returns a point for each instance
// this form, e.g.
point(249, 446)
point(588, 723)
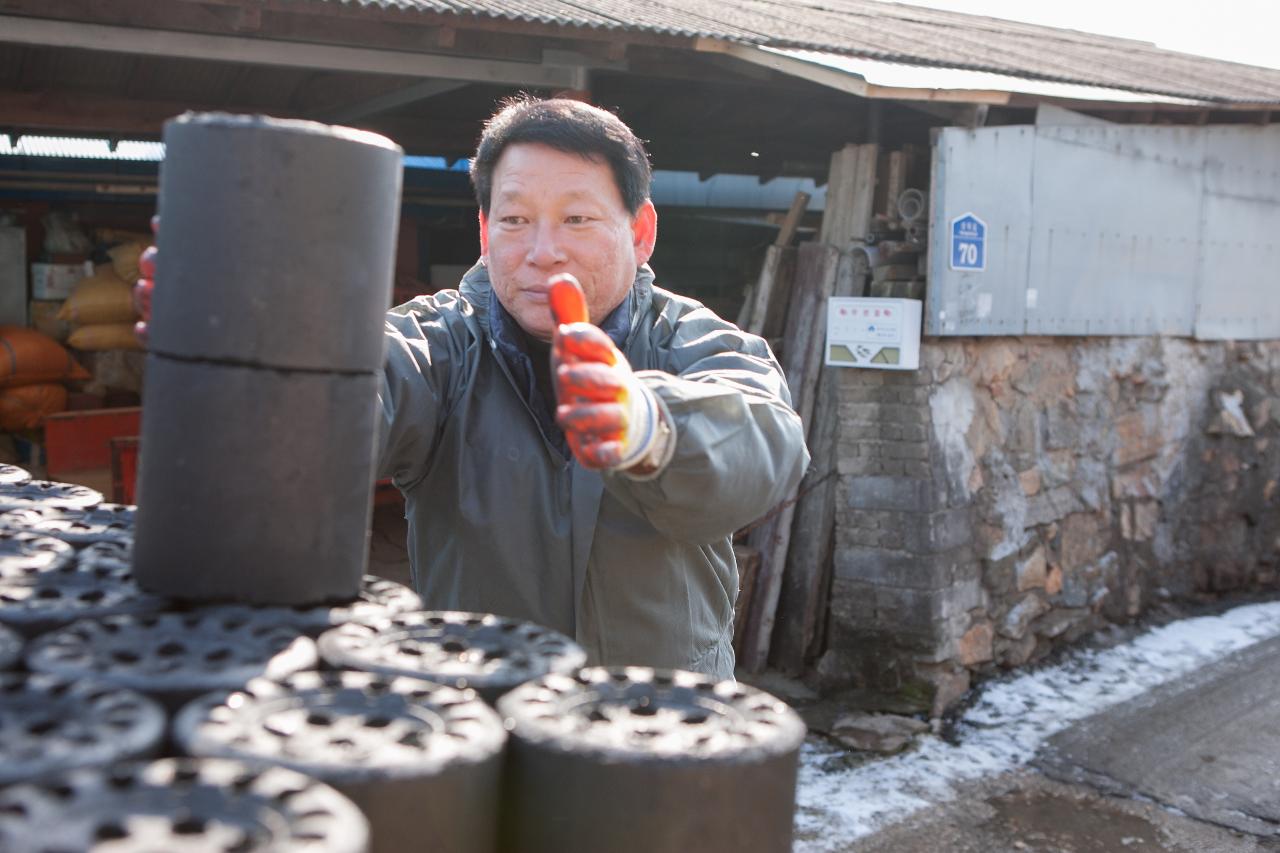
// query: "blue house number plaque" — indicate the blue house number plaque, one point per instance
point(968, 243)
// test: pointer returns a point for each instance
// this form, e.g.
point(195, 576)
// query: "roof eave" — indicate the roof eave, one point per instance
point(1006, 90)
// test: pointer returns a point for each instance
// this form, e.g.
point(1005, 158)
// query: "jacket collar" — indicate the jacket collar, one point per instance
point(512, 346)
point(501, 329)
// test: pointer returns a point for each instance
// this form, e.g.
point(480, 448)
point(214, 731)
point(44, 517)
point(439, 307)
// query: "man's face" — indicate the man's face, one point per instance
point(552, 212)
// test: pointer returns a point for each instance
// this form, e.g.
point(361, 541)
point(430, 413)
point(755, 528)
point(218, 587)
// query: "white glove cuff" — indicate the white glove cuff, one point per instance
point(647, 436)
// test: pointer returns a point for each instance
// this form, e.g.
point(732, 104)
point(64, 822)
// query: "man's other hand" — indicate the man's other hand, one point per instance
point(611, 420)
point(145, 285)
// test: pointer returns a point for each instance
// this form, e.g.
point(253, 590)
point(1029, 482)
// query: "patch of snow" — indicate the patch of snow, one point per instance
point(1008, 723)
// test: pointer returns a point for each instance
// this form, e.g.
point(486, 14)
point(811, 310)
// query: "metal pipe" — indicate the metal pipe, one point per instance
point(912, 204)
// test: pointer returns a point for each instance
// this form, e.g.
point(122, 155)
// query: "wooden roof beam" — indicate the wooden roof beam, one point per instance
point(97, 116)
point(257, 51)
point(391, 100)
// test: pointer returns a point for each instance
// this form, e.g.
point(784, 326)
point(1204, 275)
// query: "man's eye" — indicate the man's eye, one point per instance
point(577, 220)
point(512, 220)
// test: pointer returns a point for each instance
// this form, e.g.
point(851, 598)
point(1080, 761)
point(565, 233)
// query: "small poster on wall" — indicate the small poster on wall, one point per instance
point(881, 334)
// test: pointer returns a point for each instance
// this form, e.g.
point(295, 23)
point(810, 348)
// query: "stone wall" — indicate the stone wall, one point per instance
point(1015, 494)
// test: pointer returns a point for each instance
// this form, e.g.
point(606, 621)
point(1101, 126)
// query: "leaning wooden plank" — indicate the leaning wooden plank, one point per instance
point(748, 560)
point(858, 205)
point(843, 186)
point(763, 292)
point(771, 289)
point(802, 597)
point(815, 281)
point(764, 535)
point(806, 337)
point(802, 600)
point(748, 303)
point(839, 186)
point(787, 232)
point(775, 315)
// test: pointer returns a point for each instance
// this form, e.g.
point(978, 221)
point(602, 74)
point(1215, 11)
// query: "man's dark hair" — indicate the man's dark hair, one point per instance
point(569, 126)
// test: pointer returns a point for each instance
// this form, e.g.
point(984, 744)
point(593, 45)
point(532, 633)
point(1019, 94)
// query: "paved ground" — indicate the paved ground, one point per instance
point(1207, 745)
point(1025, 812)
point(1182, 754)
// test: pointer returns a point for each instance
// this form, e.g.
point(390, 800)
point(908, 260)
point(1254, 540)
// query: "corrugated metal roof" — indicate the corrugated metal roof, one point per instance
point(894, 33)
point(81, 148)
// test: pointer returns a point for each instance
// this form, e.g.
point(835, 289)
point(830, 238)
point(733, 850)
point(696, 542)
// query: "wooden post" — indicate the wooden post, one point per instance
point(805, 337)
point(821, 271)
point(802, 599)
point(808, 567)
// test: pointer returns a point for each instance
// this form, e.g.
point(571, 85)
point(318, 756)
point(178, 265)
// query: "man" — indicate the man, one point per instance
point(626, 548)
point(608, 517)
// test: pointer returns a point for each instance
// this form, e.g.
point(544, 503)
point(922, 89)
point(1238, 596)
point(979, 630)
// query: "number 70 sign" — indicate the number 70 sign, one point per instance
point(968, 243)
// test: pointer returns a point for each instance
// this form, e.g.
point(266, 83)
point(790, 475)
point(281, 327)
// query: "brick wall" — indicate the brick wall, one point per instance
point(1015, 494)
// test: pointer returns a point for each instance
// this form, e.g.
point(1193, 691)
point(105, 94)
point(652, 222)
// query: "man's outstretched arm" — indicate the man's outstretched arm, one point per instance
point(700, 448)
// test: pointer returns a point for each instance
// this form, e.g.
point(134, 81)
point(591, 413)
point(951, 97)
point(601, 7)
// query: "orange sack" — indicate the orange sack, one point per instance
point(27, 357)
point(25, 406)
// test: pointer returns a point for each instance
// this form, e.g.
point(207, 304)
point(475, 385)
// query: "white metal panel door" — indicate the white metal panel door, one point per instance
point(1115, 230)
point(1110, 230)
point(1238, 294)
point(985, 172)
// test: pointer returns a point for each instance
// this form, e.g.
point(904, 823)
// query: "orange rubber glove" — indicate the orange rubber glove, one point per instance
point(612, 421)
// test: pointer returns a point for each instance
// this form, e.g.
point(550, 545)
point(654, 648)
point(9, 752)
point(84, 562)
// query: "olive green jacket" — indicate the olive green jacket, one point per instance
point(639, 571)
